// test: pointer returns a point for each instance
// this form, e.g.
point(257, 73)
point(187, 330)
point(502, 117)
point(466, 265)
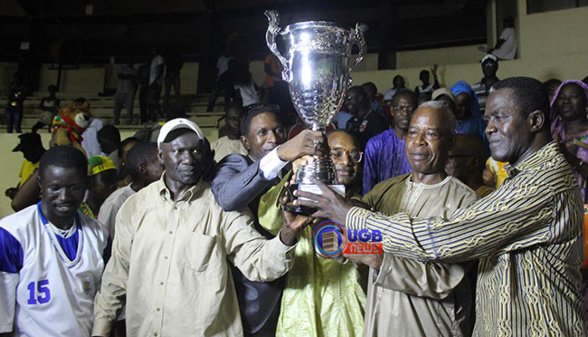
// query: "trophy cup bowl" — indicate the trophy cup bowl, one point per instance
point(316, 68)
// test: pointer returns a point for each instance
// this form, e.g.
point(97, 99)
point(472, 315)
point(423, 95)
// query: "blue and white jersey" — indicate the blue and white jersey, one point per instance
point(47, 282)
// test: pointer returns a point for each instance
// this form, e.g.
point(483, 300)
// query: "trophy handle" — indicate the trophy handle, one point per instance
point(273, 30)
point(359, 39)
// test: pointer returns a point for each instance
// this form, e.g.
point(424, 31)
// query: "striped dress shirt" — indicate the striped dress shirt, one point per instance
point(528, 237)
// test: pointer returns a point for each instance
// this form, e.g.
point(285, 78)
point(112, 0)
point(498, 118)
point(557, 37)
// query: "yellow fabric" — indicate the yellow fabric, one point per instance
point(97, 164)
point(497, 168)
point(322, 297)
point(25, 170)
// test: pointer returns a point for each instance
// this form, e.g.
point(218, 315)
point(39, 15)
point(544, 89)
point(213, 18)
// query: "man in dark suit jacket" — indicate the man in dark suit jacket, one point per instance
point(240, 181)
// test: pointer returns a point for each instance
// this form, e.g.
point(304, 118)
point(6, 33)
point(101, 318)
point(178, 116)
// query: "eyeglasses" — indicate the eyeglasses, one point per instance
point(339, 153)
point(406, 109)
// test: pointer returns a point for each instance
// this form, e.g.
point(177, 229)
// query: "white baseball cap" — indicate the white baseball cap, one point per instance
point(175, 124)
point(491, 57)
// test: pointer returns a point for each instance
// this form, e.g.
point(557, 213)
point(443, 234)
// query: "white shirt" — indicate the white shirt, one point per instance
point(110, 207)
point(508, 50)
point(90, 141)
point(155, 70)
point(46, 293)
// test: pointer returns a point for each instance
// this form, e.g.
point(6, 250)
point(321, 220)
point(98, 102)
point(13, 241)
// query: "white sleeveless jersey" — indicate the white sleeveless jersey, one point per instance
point(51, 295)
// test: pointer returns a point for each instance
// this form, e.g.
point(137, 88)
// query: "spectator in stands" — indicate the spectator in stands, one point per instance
point(173, 64)
point(482, 88)
point(551, 86)
point(125, 92)
point(409, 297)
point(569, 126)
point(446, 96)
point(372, 91)
point(506, 46)
point(527, 234)
point(341, 118)
point(240, 181)
point(102, 182)
point(109, 139)
point(156, 72)
point(14, 108)
point(119, 159)
point(398, 83)
point(231, 143)
point(385, 156)
point(365, 123)
point(90, 141)
point(50, 108)
point(467, 113)
point(326, 292)
point(240, 87)
point(32, 149)
point(144, 168)
point(222, 66)
point(143, 81)
point(425, 77)
point(466, 162)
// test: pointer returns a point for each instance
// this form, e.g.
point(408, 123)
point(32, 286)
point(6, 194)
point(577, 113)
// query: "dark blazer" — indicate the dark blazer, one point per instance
point(238, 183)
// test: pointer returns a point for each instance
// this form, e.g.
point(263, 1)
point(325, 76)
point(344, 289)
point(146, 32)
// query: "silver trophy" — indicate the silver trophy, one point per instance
point(316, 68)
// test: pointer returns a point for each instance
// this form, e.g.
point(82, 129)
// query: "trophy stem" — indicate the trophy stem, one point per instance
point(317, 127)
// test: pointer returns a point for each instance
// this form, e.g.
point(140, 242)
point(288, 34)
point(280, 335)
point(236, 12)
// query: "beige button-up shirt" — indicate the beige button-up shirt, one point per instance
point(169, 258)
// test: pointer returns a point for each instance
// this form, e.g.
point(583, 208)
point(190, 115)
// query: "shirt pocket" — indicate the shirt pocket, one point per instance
point(199, 252)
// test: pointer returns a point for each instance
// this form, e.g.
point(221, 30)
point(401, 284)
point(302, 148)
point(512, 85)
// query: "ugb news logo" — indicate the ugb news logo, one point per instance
point(331, 240)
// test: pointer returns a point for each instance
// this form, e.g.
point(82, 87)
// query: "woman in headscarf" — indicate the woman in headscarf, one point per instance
point(468, 117)
point(569, 126)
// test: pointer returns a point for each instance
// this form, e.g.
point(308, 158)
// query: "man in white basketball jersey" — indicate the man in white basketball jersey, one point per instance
point(51, 255)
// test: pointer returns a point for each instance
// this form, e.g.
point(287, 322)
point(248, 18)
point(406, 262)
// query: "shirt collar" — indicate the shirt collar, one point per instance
point(541, 156)
point(189, 195)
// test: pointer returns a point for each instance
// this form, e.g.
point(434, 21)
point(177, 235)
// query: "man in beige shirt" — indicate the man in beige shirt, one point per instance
point(408, 297)
point(169, 255)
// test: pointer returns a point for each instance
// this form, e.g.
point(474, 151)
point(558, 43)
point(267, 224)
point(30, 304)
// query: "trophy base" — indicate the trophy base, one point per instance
point(298, 209)
point(304, 210)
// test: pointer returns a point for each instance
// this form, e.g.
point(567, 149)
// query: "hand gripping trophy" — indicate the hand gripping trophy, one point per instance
point(316, 68)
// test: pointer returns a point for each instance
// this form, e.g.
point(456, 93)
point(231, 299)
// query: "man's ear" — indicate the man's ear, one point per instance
point(160, 156)
point(143, 168)
point(245, 143)
point(536, 120)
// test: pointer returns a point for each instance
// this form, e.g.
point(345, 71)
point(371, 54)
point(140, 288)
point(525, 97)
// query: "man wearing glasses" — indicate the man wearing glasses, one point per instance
point(240, 181)
point(384, 154)
point(346, 156)
point(327, 293)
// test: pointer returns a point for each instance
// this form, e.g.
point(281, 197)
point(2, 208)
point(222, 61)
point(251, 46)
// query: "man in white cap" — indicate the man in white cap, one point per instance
point(482, 88)
point(172, 247)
